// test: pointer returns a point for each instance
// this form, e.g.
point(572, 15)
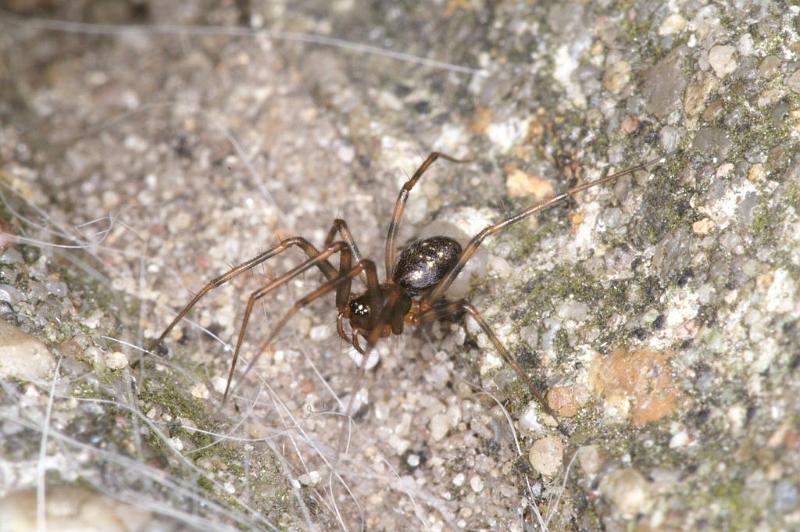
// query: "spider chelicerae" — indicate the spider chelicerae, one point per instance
point(413, 291)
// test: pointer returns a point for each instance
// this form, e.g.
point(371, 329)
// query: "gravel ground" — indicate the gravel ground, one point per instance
point(147, 150)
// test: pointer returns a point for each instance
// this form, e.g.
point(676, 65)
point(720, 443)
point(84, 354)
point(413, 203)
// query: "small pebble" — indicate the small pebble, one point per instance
point(505, 135)
point(311, 478)
point(116, 360)
point(22, 356)
point(782, 293)
point(57, 288)
point(756, 173)
point(573, 310)
point(546, 455)
point(71, 508)
point(530, 419)
point(200, 391)
point(617, 77)
point(722, 59)
point(630, 124)
point(320, 332)
point(521, 185)
point(770, 66)
point(219, 384)
point(590, 459)
point(746, 44)
point(672, 24)
point(679, 440)
point(346, 154)
point(669, 138)
point(440, 426)
point(413, 460)
point(785, 497)
point(10, 256)
point(627, 490)
point(476, 483)
point(9, 294)
point(703, 227)
point(793, 81)
point(459, 480)
point(566, 400)
point(181, 221)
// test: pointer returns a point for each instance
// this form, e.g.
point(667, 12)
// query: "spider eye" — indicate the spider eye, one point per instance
point(357, 308)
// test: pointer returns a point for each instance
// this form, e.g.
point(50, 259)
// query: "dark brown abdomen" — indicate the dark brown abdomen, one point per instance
point(424, 262)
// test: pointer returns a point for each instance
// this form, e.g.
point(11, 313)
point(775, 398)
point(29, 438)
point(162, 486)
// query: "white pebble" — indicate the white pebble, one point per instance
point(590, 459)
point(439, 426)
point(311, 478)
point(627, 490)
point(346, 154)
point(679, 440)
point(781, 295)
point(476, 483)
point(505, 135)
point(530, 419)
point(116, 360)
point(320, 332)
point(573, 310)
point(71, 508)
point(672, 24)
point(490, 362)
point(546, 455)
point(22, 356)
point(459, 480)
point(200, 391)
point(746, 45)
point(219, 384)
point(722, 59)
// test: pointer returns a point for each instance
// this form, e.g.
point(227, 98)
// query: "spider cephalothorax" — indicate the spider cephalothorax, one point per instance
point(421, 265)
point(414, 289)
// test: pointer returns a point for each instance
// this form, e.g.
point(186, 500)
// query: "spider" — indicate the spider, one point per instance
point(413, 289)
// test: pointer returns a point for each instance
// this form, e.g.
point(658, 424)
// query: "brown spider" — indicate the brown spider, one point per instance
point(413, 290)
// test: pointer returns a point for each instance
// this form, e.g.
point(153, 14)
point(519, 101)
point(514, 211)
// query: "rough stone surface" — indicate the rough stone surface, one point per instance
point(661, 310)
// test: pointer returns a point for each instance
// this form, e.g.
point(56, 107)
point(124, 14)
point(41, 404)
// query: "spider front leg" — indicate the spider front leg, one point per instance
point(345, 261)
point(341, 284)
point(340, 226)
point(455, 307)
point(327, 269)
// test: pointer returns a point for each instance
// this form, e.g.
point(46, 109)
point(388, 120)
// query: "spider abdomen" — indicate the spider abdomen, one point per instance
point(424, 263)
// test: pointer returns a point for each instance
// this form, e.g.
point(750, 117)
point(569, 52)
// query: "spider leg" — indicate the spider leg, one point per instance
point(322, 257)
point(344, 278)
point(340, 226)
point(327, 269)
point(450, 308)
point(438, 291)
point(400, 206)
